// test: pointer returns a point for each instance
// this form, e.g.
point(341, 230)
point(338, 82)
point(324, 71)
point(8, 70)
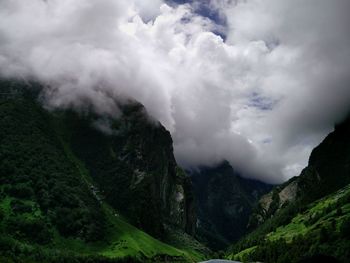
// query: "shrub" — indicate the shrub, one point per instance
point(22, 191)
point(19, 206)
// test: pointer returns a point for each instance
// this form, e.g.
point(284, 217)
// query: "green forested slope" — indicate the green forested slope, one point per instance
point(322, 227)
point(328, 170)
point(307, 215)
point(51, 208)
point(135, 168)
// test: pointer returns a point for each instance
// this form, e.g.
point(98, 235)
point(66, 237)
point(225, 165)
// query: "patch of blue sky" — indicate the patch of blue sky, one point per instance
point(261, 102)
point(203, 8)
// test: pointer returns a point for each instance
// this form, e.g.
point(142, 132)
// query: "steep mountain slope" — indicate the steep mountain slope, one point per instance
point(322, 228)
point(135, 167)
point(56, 204)
point(290, 218)
point(224, 204)
point(328, 170)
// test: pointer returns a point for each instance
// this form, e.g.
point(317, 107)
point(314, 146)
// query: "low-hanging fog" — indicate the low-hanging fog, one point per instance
point(256, 82)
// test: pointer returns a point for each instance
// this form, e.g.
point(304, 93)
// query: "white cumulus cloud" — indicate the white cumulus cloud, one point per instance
point(261, 98)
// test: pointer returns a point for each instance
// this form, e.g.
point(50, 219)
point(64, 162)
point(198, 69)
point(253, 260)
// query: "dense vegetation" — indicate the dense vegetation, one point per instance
point(135, 167)
point(308, 215)
point(298, 231)
point(36, 178)
point(68, 191)
point(328, 170)
point(51, 208)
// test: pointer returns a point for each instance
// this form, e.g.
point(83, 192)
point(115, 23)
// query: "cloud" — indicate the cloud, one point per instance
point(261, 98)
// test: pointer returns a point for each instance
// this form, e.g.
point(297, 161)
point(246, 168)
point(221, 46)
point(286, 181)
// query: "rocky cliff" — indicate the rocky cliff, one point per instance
point(71, 184)
point(328, 170)
point(129, 159)
point(308, 215)
point(135, 169)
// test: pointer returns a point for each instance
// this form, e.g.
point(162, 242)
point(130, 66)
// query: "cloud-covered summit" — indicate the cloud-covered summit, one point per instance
point(260, 98)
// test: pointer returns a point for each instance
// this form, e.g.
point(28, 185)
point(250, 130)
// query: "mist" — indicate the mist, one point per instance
point(259, 84)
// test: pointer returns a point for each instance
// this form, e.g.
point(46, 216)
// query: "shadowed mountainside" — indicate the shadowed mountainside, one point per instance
point(309, 215)
point(224, 202)
point(69, 191)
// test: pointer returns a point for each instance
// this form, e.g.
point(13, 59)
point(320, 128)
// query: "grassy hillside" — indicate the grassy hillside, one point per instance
point(123, 242)
point(51, 209)
point(322, 227)
point(328, 170)
point(309, 214)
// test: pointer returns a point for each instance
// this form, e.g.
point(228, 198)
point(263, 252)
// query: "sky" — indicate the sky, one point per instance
point(258, 83)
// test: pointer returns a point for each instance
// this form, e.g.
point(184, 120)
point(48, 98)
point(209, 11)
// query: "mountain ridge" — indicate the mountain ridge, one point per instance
point(52, 205)
point(305, 216)
point(330, 157)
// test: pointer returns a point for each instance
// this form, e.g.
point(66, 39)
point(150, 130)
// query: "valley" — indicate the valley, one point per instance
point(174, 131)
point(52, 206)
point(78, 188)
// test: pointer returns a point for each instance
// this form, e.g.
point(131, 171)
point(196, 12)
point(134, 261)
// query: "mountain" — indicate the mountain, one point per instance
point(224, 202)
point(81, 187)
point(309, 214)
point(74, 185)
point(134, 168)
point(322, 228)
point(328, 170)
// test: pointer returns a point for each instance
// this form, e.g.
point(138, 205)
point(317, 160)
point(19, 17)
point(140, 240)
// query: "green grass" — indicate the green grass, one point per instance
point(123, 239)
point(321, 214)
point(242, 255)
point(39, 147)
point(296, 227)
point(300, 224)
point(126, 239)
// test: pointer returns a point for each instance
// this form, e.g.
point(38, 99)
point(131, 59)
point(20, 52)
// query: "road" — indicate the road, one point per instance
point(220, 261)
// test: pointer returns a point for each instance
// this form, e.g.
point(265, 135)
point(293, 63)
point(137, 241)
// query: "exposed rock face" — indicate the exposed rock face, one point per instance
point(59, 175)
point(224, 203)
point(328, 170)
point(135, 169)
point(266, 201)
point(272, 202)
point(288, 193)
point(329, 164)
